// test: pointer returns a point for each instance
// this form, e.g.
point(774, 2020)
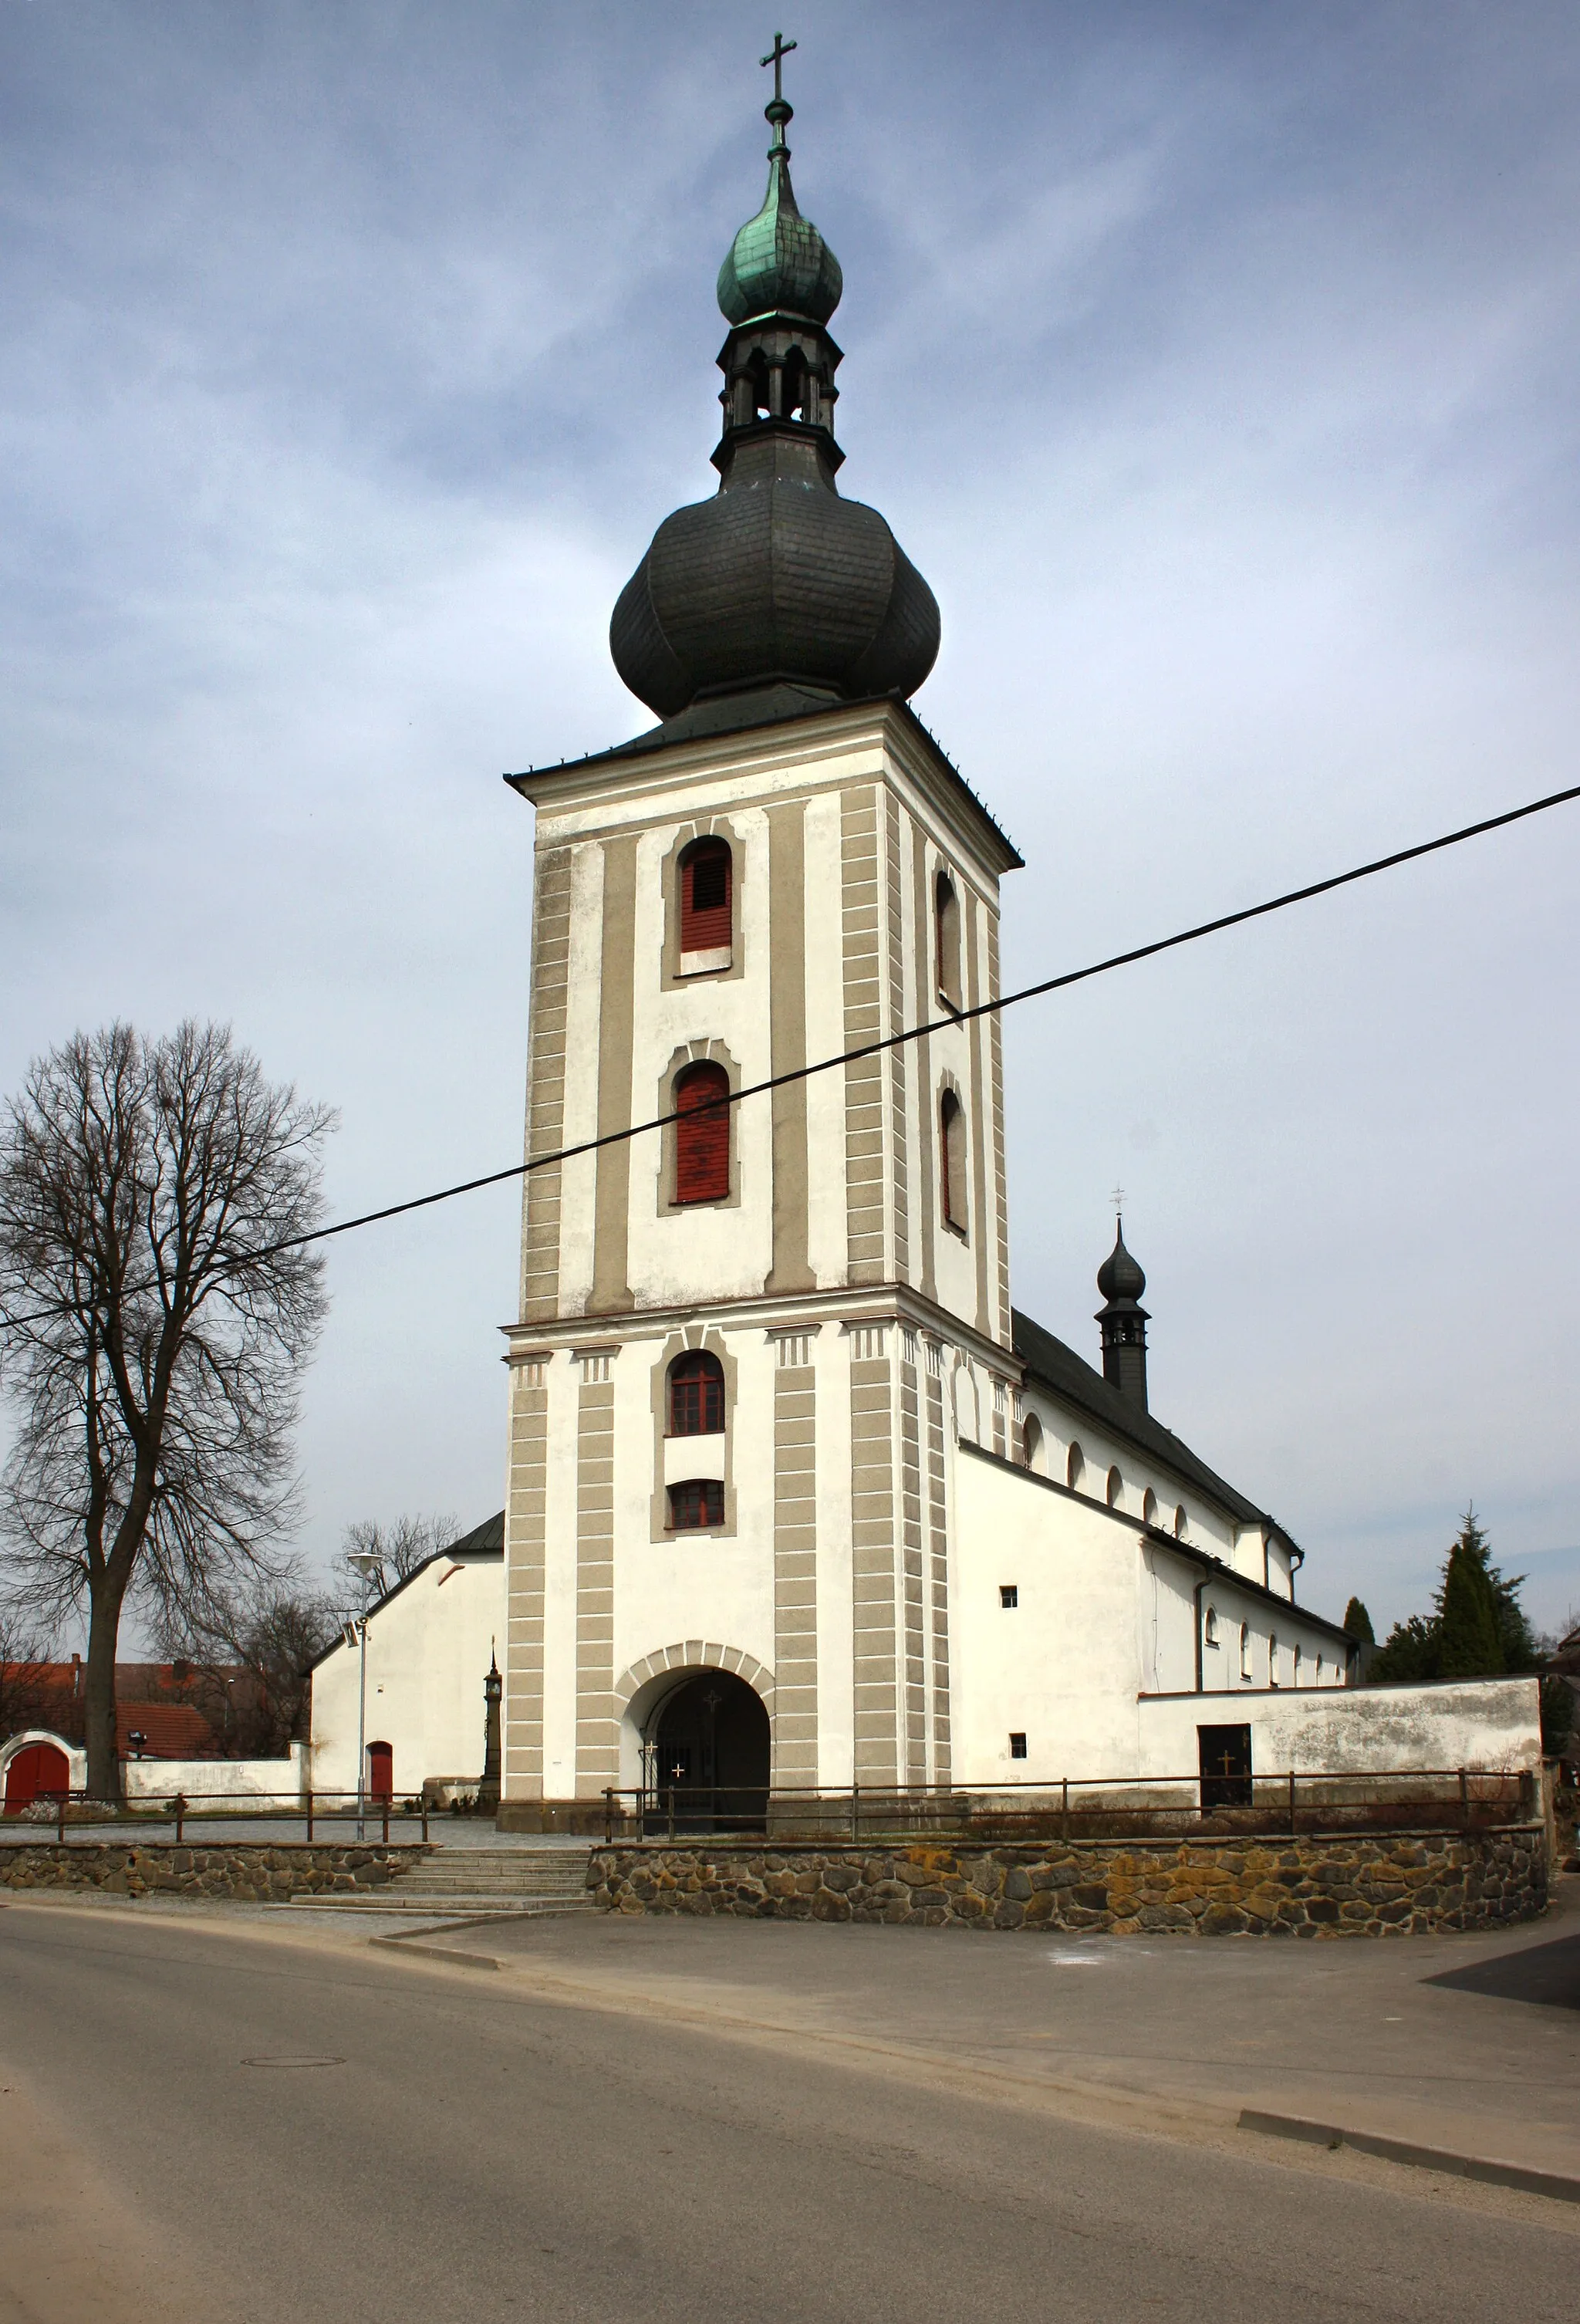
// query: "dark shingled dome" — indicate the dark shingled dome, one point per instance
point(1119, 1277)
point(775, 577)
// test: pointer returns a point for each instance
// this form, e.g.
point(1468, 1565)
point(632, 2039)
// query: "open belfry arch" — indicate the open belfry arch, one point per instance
point(780, 1449)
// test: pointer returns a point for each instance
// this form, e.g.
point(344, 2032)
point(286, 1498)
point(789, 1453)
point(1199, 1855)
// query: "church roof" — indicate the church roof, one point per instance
point(1060, 1370)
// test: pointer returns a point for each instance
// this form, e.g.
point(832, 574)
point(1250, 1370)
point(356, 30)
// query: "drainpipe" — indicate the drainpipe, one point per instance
point(1200, 1586)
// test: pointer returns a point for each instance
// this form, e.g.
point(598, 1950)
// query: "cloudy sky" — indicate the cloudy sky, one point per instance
point(1216, 364)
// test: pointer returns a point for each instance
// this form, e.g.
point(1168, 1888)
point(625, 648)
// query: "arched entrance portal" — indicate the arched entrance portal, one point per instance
point(38, 1771)
point(710, 1749)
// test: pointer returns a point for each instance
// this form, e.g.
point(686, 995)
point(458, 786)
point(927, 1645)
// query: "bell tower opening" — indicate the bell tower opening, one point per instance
point(709, 1756)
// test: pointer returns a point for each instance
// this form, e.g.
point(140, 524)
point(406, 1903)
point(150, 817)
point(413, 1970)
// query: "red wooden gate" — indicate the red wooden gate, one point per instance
point(39, 1771)
point(382, 1771)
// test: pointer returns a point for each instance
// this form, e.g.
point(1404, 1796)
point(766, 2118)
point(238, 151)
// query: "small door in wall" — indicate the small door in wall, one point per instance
point(382, 1771)
point(1224, 1753)
point(39, 1771)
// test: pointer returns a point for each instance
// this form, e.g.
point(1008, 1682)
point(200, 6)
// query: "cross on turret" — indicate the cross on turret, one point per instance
point(777, 56)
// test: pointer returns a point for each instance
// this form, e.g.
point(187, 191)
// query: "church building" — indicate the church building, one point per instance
point(798, 1501)
point(796, 1498)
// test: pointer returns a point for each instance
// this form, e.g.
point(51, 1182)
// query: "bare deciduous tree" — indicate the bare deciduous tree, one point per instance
point(400, 1548)
point(27, 1697)
point(153, 1329)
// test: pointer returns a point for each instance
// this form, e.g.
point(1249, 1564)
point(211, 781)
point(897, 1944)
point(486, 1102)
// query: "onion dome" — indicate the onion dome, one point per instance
point(776, 588)
point(1123, 1321)
point(1119, 1277)
point(780, 261)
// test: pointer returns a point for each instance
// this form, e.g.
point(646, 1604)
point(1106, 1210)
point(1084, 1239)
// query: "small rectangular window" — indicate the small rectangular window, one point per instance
point(1017, 1746)
point(696, 1504)
point(1008, 1594)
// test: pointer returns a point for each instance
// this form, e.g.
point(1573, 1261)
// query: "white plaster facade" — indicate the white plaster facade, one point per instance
point(430, 1642)
point(880, 1490)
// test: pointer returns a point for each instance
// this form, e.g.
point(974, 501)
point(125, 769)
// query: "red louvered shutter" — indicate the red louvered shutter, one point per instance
point(701, 1135)
point(705, 919)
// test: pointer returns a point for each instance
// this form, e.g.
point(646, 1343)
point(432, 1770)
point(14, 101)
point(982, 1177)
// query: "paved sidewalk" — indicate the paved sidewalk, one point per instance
point(1466, 2043)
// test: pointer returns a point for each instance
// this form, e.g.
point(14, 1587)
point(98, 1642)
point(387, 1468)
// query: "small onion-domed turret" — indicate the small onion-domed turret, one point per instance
point(1123, 1321)
point(776, 587)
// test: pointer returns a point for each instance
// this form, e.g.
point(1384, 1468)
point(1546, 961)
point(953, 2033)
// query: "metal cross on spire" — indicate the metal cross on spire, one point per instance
point(1118, 1199)
point(776, 57)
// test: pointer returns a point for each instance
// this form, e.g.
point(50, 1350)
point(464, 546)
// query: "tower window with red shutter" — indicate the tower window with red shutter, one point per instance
point(707, 907)
point(696, 1395)
point(701, 1135)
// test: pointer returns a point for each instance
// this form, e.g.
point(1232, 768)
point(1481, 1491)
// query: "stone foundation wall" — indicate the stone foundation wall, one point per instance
point(1311, 1886)
point(256, 1874)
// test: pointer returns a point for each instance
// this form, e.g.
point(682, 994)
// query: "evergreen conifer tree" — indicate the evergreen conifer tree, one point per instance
point(1469, 1644)
point(1358, 1622)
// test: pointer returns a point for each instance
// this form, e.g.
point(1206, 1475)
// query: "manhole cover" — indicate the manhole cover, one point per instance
point(291, 2064)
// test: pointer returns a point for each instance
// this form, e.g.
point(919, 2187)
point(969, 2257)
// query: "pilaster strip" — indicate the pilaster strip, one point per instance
point(616, 996)
point(912, 1580)
point(795, 1741)
point(864, 1103)
point(872, 1542)
point(546, 1082)
point(938, 1551)
point(894, 950)
point(791, 1270)
point(526, 1545)
point(926, 1007)
point(597, 1727)
point(995, 1098)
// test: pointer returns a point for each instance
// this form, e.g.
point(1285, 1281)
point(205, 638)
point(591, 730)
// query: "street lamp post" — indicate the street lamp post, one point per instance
point(367, 1563)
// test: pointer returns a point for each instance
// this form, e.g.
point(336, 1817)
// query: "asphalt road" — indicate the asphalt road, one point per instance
point(480, 2151)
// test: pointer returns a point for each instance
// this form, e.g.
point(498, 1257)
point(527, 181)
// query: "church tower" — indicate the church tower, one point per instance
point(747, 1342)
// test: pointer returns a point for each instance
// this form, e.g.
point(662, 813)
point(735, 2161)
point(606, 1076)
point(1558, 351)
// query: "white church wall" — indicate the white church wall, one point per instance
point(1229, 1666)
point(428, 1648)
point(1494, 1724)
point(1061, 1666)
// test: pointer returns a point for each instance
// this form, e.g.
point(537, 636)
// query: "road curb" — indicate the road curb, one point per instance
point(438, 1952)
point(1557, 2184)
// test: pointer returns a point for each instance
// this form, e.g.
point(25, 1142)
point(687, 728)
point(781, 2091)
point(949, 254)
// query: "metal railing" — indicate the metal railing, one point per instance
point(315, 1808)
point(1332, 1800)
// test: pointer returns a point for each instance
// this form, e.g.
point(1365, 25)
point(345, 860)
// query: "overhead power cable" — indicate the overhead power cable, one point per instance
point(955, 1017)
point(916, 1032)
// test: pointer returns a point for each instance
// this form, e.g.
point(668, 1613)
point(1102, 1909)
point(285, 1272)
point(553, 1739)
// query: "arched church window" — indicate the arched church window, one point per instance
point(1210, 1634)
point(1273, 1660)
point(1075, 1468)
point(706, 905)
point(795, 391)
point(1297, 1667)
point(952, 1135)
point(1149, 1507)
point(1181, 1522)
point(696, 1395)
point(1115, 1487)
point(946, 915)
point(1244, 1650)
point(701, 1135)
point(1319, 1670)
point(1032, 1452)
point(696, 1505)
